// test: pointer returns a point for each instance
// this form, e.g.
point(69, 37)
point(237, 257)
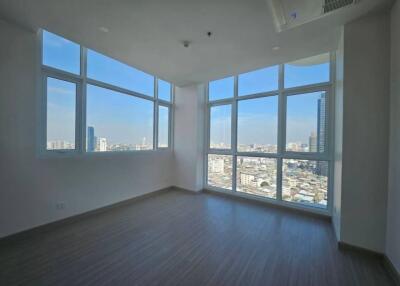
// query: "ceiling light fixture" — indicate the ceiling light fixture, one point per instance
point(276, 48)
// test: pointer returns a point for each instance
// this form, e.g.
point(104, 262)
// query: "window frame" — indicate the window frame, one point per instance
point(283, 93)
point(82, 80)
point(258, 96)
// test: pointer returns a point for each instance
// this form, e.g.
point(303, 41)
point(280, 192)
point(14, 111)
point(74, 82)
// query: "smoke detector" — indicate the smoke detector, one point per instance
point(289, 14)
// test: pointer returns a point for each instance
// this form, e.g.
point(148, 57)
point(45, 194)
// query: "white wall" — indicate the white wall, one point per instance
point(338, 158)
point(31, 186)
point(393, 213)
point(189, 136)
point(365, 131)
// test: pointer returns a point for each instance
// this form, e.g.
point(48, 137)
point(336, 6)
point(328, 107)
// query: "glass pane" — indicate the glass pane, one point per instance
point(164, 90)
point(61, 106)
point(220, 127)
point(220, 89)
point(262, 80)
point(118, 122)
point(305, 182)
point(258, 125)
point(106, 69)
point(61, 53)
point(220, 171)
point(163, 116)
point(307, 71)
point(306, 122)
point(256, 176)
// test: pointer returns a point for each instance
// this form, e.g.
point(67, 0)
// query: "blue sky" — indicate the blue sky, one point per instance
point(103, 68)
point(163, 126)
point(257, 118)
point(258, 121)
point(125, 119)
point(61, 53)
point(117, 117)
point(61, 98)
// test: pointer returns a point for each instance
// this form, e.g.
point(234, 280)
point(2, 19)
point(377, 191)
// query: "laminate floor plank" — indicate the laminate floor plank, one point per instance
point(180, 238)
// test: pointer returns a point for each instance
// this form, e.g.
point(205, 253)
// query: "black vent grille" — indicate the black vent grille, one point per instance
point(331, 5)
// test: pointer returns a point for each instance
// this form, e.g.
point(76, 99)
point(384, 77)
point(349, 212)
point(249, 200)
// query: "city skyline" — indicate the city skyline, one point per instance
point(258, 121)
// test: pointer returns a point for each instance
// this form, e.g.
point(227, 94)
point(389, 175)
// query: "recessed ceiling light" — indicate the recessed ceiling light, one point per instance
point(276, 48)
point(103, 29)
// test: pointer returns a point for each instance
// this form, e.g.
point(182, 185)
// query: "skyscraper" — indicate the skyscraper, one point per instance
point(321, 123)
point(312, 142)
point(91, 141)
point(322, 167)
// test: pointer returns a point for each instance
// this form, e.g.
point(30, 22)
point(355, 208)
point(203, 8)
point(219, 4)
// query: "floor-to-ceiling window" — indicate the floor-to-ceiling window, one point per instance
point(269, 133)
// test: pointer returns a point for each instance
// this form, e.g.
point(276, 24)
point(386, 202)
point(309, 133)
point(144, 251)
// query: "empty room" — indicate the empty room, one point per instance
point(188, 142)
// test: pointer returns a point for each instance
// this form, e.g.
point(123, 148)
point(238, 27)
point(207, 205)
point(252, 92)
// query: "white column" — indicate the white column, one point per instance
point(189, 137)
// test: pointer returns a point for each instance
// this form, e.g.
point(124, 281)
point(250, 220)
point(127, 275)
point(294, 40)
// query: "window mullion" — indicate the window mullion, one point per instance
point(281, 132)
point(81, 128)
point(234, 134)
point(43, 103)
point(155, 115)
point(206, 136)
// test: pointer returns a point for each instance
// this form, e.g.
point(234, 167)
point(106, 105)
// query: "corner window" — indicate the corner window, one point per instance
point(271, 140)
point(93, 103)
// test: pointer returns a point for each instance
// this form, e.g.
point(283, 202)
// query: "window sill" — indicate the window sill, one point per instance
point(77, 154)
point(284, 204)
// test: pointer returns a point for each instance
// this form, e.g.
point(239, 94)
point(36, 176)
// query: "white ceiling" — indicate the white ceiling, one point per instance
point(148, 34)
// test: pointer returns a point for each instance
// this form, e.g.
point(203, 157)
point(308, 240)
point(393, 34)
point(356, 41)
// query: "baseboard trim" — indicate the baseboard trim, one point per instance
point(392, 270)
point(176, 188)
point(347, 246)
point(44, 228)
point(385, 260)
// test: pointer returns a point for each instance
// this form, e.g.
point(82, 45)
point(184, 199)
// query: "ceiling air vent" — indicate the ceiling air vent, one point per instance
point(331, 5)
point(288, 14)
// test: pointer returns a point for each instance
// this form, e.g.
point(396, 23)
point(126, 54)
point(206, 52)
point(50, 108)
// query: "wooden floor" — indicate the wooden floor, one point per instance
point(179, 238)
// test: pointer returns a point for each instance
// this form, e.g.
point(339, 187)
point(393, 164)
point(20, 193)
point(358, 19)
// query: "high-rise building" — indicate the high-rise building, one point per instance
point(247, 179)
point(102, 144)
point(217, 165)
point(321, 123)
point(322, 167)
point(59, 145)
point(312, 142)
point(91, 141)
